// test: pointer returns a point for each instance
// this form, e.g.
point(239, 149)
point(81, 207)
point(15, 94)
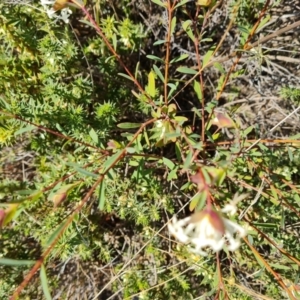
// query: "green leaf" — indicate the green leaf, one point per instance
point(15, 262)
point(94, 136)
point(295, 137)
point(243, 29)
point(25, 129)
point(248, 130)
point(159, 3)
point(55, 234)
point(108, 163)
point(198, 201)
point(168, 163)
point(187, 161)
point(44, 282)
point(172, 175)
point(102, 195)
point(290, 153)
point(280, 266)
point(87, 23)
point(297, 198)
point(81, 170)
point(197, 89)
point(173, 89)
point(274, 193)
point(151, 84)
point(263, 22)
point(158, 73)
point(86, 172)
point(145, 134)
point(12, 213)
point(35, 196)
point(207, 56)
point(187, 28)
point(114, 40)
point(218, 66)
point(180, 119)
point(194, 201)
point(126, 76)
point(218, 175)
point(187, 70)
point(128, 125)
point(173, 25)
point(137, 70)
point(172, 135)
point(182, 3)
point(266, 225)
point(131, 150)
point(179, 58)
point(153, 57)
point(159, 42)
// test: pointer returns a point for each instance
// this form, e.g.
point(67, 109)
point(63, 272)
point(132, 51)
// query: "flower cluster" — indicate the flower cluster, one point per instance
point(52, 13)
point(207, 228)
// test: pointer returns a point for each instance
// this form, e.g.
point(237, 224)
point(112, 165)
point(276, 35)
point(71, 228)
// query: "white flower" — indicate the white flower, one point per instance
point(47, 2)
point(50, 12)
point(64, 13)
point(231, 207)
point(207, 229)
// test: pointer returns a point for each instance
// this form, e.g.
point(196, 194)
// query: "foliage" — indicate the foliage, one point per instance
point(115, 122)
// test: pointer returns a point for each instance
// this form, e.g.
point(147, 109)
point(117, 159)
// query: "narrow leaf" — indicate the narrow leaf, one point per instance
point(173, 89)
point(173, 25)
point(207, 56)
point(25, 129)
point(159, 3)
point(15, 262)
point(94, 136)
point(146, 138)
point(11, 213)
point(195, 201)
point(186, 70)
point(158, 73)
point(126, 76)
point(87, 23)
point(44, 282)
point(172, 175)
point(55, 234)
point(86, 172)
point(181, 3)
point(159, 42)
point(290, 153)
point(187, 161)
point(187, 28)
point(128, 125)
point(179, 58)
point(168, 163)
point(151, 84)
point(108, 163)
point(102, 195)
point(153, 57)
point(197, 89)
point(263, 22)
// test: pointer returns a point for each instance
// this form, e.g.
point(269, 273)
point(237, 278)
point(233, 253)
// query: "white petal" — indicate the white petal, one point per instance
point(204, 233)
point(233, 244)
point(65, 14)
point(47, 2)
point(234, 227)
point(50, 13)
point(230, 208)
